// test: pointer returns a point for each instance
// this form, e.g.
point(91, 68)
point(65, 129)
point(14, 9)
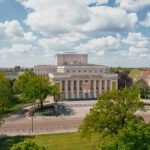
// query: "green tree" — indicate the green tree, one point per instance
point(111, 112)
point(142, 87)
point(38, 88)
point(136, 74)
point(33, 87)
point(132, 137)
point(27, 145)
point(5, 91)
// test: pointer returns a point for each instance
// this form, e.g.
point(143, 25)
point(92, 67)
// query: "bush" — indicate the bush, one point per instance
point(27, 145)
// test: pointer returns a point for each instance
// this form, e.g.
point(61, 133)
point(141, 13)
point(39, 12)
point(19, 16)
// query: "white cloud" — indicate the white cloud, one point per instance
point(52, 18)
point(100, 53)
point(98, 45)
point(111, 20)
point(136, 39)
point(146, 22)
point(10, 30)
point(13, 32)
point(102, 1)
point(137, 50)
point(18, 48)
point(133, 5)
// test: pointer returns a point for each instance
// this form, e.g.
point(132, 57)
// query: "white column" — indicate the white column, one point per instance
point(89, 90)
point(66, 89)
point(116, 84)
point(111, 85)
point(105, 84)
point(94, 84)
point(72, 90)
point(83, 90)
point(100, 86)
point(77, 88)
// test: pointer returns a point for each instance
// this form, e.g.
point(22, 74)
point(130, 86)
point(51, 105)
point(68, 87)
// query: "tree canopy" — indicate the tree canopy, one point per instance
point(34, 87)
point(142, 87)
point(123, 80)
point(111, 112)
point(132, 137)
point(5, 91)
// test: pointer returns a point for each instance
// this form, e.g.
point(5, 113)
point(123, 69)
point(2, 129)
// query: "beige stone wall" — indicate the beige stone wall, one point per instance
point(63, 59)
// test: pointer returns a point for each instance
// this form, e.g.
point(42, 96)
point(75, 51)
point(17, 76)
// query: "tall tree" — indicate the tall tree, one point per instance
point(142, 87)
point(5, 91)
point(136, 74)
point(123, 80)
point(111, 112)
point(38, 88)
point(132, 137)
point(34, 87)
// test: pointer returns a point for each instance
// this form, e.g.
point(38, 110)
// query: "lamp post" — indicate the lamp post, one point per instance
point(33, 111)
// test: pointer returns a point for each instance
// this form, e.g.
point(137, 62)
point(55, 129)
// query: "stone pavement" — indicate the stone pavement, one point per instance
point(21, 124)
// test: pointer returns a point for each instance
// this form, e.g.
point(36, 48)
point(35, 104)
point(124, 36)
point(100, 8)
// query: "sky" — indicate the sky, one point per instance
point(112, 32)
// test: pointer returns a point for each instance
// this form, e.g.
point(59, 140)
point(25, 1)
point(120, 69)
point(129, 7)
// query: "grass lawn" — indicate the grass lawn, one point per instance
point(61, 141)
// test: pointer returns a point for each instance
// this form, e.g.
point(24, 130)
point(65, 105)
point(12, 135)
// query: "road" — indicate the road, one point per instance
point(21, 124)
point(68, 121)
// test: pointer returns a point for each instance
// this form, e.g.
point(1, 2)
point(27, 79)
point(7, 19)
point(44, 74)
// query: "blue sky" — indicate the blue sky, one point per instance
point(112, 32)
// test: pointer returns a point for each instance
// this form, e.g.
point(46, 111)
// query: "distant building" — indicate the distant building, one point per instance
point(76, 78)
point(17, 68)
point(146, 77)
point(12, 75)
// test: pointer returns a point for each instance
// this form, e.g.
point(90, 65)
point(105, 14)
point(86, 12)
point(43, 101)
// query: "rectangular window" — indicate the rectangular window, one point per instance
point(75, 85)
point(63, 85)
point(103, 82)
point(97, 84)
point(69, 82)
point(91, 84)
point(108, 84)
point(80, 85)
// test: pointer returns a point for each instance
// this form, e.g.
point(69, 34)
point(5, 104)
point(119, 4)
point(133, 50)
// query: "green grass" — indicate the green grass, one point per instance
point(61, 141)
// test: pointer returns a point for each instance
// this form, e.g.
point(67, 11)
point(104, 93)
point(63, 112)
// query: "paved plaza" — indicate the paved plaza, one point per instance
point(67, 121)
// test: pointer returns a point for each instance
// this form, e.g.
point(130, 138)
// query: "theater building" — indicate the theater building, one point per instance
point(76, 78)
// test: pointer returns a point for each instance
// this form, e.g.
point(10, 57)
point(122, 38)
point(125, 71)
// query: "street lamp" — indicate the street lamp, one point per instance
point(33, 111)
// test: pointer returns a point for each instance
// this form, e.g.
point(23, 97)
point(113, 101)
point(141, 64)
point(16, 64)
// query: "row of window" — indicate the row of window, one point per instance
point(85, 71)
point(81, 85)
point(43, 72)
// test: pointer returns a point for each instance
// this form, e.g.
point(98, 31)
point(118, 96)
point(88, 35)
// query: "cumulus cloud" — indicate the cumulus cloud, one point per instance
point(136, 39)
point(133, 5)
point(111, 20)
point(98, 45)
point(102, 1)
point(76, 15)
point(13, 32)
point(146, 22)
point(17, 48)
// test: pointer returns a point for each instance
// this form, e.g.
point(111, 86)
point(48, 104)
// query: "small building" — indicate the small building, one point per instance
point(12, 75)
point(17, 68)
point(76, 78)
point(146, 77)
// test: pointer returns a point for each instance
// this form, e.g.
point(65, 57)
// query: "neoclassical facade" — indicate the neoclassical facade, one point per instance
point(76, 78)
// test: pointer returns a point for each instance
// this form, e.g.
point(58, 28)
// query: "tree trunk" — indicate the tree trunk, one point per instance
point(41, 102)
point(2, 108)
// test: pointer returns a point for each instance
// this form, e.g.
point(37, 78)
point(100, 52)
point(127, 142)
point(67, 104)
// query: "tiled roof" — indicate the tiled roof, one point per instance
point(146, 72)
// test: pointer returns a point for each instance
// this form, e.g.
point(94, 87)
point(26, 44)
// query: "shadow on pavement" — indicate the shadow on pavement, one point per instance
point(65, 110)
